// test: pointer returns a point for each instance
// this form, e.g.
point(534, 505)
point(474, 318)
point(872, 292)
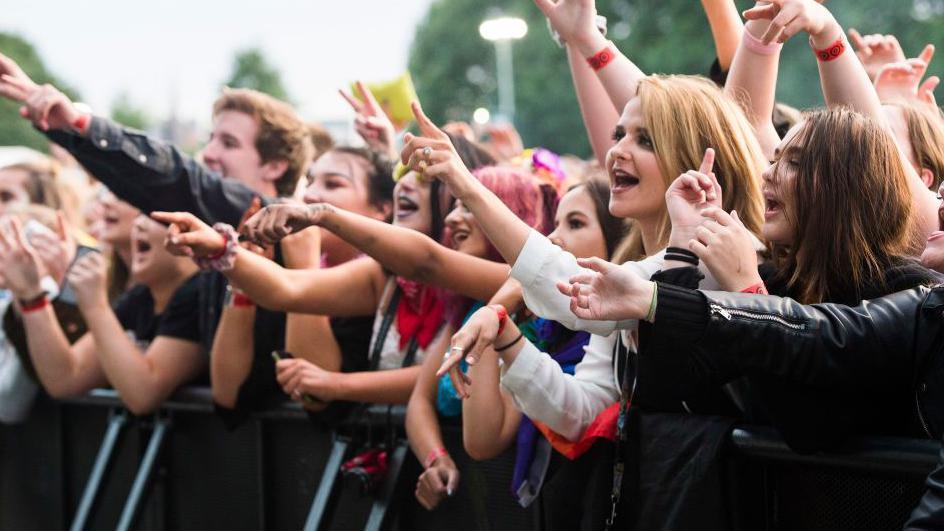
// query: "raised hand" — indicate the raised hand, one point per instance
point(789, 17)
point(275, 222)
point(433, 154)
point(726, 247)
point(371, 122)
point(876, 51)
point(607, 292)
point(469, 343)
point(188, 236)
point(88, 277)
point(437, 482)
point(14, 83)
point(573, 20)
point(902, 80)
point(304, 381)
point(19, 262)
point(687, 196)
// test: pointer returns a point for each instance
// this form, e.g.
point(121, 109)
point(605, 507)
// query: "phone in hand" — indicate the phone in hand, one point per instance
point(66, 293)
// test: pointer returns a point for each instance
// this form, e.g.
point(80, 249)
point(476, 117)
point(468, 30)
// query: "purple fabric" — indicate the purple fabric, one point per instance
point(568, 355)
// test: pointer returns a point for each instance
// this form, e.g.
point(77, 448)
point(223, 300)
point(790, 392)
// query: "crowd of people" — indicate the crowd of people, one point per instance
point(723, 258)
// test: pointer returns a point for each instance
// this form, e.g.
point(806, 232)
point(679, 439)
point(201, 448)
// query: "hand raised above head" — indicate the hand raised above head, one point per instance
point(21, 265)
point(574, 20)
point(876, 51)
point(902, 80)
point(371, 121)
point(14, 83)
point(789, 17)
point(432, 154)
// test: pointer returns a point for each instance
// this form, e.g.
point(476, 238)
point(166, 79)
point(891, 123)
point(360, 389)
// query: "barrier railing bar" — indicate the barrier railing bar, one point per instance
point(876, 454)
point(378, 512)
point(116, 421)
point(145, 471)
point(326, 486)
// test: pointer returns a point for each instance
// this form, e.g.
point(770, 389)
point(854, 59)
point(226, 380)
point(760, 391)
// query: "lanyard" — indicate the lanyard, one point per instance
point(628, 379)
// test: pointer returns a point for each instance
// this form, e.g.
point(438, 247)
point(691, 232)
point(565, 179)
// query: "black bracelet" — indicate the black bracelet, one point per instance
point(693, 260)
point(509, 345)
point(679, 250)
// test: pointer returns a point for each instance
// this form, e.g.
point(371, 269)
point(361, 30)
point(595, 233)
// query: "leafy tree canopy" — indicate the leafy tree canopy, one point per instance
point(252, 70)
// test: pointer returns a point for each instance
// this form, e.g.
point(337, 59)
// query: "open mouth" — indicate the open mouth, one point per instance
point(460, 236)
point(771, 207)
point(405, 206)
point(622, 180)
point(142, 246)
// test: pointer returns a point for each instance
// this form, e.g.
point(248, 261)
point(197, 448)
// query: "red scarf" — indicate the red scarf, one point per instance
point(419, 314)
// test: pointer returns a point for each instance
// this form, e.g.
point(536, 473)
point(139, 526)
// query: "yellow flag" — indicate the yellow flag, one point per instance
point(395, 97)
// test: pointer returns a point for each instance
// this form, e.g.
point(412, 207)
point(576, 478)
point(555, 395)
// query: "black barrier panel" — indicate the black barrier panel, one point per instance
point(264, 475)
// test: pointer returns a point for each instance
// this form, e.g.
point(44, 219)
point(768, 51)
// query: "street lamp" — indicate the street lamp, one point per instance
point(502, 31)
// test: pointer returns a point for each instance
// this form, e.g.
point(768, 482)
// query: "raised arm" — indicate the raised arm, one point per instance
point(575, 22)
point(844, 79)
point(274, 287)
point(599, 114)
point(405, 252)
point(726, 28)
point(143, 171)
point(752, 81)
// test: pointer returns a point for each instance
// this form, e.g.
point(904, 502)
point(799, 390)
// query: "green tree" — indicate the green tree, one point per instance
point(14, 131)
point(127, 112)
point(252, 70)
point(453, 67)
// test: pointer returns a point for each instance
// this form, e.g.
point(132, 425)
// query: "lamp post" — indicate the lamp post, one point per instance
point(502, 31)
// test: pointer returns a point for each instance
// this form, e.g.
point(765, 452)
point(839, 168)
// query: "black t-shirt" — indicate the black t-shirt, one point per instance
point(135, 312)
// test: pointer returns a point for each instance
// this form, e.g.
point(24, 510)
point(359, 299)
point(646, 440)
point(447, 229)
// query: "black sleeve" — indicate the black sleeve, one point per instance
point(180, 319)
point(823, 345)
point(129, 306)
point(684, 277)
point(152, 175)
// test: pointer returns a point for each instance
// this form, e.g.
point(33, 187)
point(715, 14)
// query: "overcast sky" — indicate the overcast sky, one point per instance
point(174, 49)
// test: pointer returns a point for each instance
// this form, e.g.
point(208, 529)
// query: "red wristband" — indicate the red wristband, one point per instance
point(831, 52)
point(220, 254)
point(241, 300)
point(759, 289)
point(36, 304)
point(502, 316)
point(81, 123)
point(433, 455)
point(602, 58)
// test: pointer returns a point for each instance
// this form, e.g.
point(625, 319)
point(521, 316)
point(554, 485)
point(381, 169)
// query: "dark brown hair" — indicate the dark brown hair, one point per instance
point(614, 228)
point(852, 207)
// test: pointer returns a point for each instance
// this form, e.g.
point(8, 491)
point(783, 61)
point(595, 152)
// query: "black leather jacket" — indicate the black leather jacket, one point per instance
point(883, 345)
point(880, 345)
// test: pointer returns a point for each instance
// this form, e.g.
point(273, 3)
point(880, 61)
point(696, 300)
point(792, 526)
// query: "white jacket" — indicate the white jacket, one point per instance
point(568, 404)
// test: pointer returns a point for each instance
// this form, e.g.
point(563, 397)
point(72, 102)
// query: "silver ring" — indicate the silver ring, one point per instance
point(427, 152)
point(296, 394)
point(460, 349)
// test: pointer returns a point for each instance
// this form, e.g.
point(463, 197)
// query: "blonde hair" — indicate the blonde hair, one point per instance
point(685, 115)
point(926, 133)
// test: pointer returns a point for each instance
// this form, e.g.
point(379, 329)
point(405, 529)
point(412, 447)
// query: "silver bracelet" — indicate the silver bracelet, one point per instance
point(601, 25)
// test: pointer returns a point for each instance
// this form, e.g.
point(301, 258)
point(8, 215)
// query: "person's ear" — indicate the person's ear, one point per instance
point(274, 169)
point(927, 177)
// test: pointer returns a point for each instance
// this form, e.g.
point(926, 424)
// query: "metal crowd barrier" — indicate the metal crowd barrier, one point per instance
point(85, 463)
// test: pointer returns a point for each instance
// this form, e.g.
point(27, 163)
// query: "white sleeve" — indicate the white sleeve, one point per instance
point(567, 404)
point(541, 265)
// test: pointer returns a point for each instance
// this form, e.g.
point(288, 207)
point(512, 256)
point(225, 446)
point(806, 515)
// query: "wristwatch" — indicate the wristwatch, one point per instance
point(601, 25)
